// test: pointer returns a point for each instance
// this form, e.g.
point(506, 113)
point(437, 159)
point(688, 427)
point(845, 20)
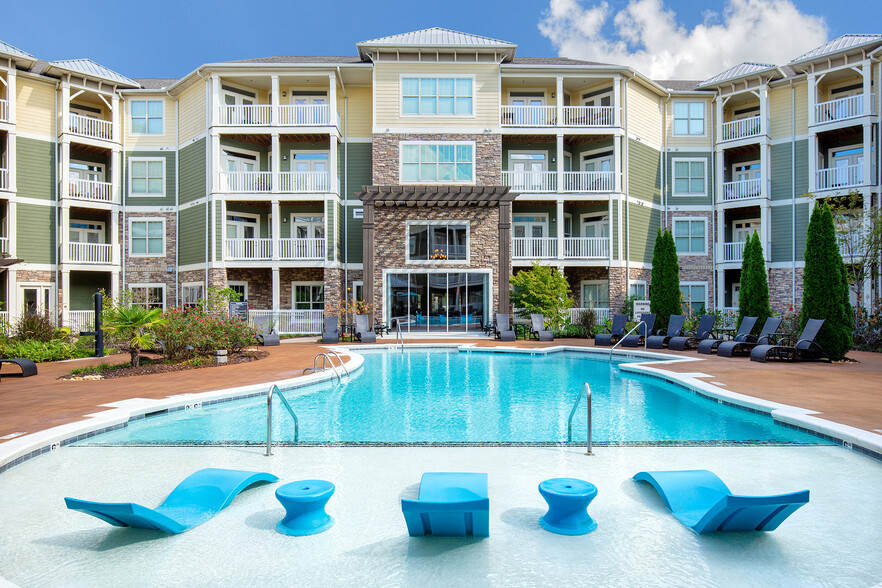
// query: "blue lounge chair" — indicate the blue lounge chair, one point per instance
point(693, 340)
point(804, 348)
point(675, 329)
point(708, 346)
point(702, 502)
point(637, 339)
point(732, 348)
point(195, 500)
point(449, 505)
point(616, 331)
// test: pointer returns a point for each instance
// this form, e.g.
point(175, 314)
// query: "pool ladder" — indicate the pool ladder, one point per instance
point(586, 392)
point(327, 361)
point(634, 328)
point(274, 391)
point(399, 338)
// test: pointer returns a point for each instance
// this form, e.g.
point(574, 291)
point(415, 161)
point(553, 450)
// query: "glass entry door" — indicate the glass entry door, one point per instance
point(438, 302)
point(36, 299)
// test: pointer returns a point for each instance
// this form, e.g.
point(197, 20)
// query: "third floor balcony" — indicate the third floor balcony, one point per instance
point(4, 110)
point(843, 109)
point(91, 127)
point(548, 116)
point(261, 182)
point(742, 128)
point(572, 181)
point(290, 115)
point(4, 178)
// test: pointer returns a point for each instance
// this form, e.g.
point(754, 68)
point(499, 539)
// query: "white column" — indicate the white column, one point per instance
point(117, 255)
point(277, 292)
point(765, 170)
point(764, 110)
point(617, 162)
point(718, 101)
point(65, 297)
point(559, 101)
point(721, 289)
point(560, 228)
point(613, 229)
point(813, 160)
point(332, 99)
point(721, 234)
point(11, 228)
point(115, 119)
point(559, 177)
point(10, 94)
point(719, 174)
point(765, 230)
point(215, 98)
point(812, 99)
point(114, 283)
point(116, 175)
point(65, 232)
point(65, 106)
point(10, 161)
point(869, 154)
point(617, 101)
point(276, 227)
point(866, 71)
point(215, 168)
point(333, 179)
point(64, 164)
point(274, 100)
point(276, 164)
point(12, 294)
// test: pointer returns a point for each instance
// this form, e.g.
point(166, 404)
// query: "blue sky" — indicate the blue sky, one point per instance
point(165, 38)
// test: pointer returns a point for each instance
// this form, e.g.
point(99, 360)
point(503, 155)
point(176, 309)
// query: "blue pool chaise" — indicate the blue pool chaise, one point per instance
point(449, 504)
point(195, 500)
point(701, 501)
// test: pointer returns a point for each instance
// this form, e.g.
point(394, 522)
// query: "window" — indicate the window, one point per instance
point(690, 236)
point(86, 231)
point(146, 237)
point(147, 177)
point(357, 213)
point(694, 297)
point(595, 226)
point(637, 289)
point(307, 227)
point(434, 163)
point(308, 295)
point(240, 288)
point(688, 118)
point(689, 177)
point(595, 294)
point(437, 96)
point(148, 295)
point(147, 117)
point(438, 241)
point(191, 294)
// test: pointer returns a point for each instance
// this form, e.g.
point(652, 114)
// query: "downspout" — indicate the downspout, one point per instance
point(345, 188)
point(664, 163)
point(58, 250)
point(177, 194)
point(208, 176)
point(713, 183)
point(792, 194)
point(122, 193)
point(626, 188)
point(878, 136)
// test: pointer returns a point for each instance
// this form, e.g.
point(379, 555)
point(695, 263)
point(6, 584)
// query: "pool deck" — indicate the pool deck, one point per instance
point(846, 393)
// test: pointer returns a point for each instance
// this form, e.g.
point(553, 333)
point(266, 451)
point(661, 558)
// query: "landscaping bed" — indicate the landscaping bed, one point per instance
point(158, 365)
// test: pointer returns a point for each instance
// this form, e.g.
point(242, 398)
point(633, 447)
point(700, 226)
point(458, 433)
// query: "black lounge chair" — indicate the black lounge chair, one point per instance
point(331, 330)
point(804, 348)
point(704, 331)
point(675, 329)
point(537, 328)
point(265, 333)
point(637, 339)
point(363, 330)
point(504, 332)
point(616, 332)
point(733, 348)
point(28, 367)
point(708, 346)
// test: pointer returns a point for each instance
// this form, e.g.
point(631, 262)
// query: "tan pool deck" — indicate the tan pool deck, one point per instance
point(847, 393)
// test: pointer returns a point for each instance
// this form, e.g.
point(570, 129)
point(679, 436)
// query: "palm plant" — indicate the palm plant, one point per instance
point(132, 327)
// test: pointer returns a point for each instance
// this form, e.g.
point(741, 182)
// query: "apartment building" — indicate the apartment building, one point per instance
point(418, 174)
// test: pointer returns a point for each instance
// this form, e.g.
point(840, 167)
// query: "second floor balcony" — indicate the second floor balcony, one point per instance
point(843, 108)
point(733, 252)
point(91, 190)
point(547, 116)
point(306, 115)
point(266, 249)
point(742, 190)
point(257, 182)
point(573, 181)
point(98, 253)
point(548, 248)
point(840, 177)
point(88, 126)
point(743, 128)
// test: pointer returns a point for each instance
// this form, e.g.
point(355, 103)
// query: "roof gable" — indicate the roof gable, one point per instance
point(839, 44)
point(16, 53)
point(90, 68)
point(436, 37)
point(741, 70)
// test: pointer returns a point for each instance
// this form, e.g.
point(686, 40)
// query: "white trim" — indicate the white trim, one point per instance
point(244, 284)
point(637, 283)
point(89, 164)
point(145, 100)
point(488, 310)
point(185, 285)
point(255, 216)
point(456, 182)
point(705, 103)
point(508, 97)
point(147, 160)
point(674, 161)
point(707, 302)
point(584, 283)
point(401, 112)
point(133, 286)
point(136, 219)
point(440, 222)
point(675, 220)
point(295, 283)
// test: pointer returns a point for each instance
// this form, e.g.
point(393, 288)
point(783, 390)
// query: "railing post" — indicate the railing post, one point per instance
point(588, 409)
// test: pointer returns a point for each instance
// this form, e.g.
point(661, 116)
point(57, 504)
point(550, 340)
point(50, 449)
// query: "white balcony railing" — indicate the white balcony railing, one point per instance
point(522, 181)
point(90, 252)
point(80, 320)
point(730, 316)
point(248, 249)
point(313, 248)
point(733, 251)
point(4, 110)
point(88, 126)
point(742, 189)
point(842, 108)
point(310, 115)
point(589, 181)
point(534, 247)
point(4, 178)
point(305, 181)
point(586, 247)
point(600, 314)
point(839, 177)
point(90, 190)
point(245, 114)
point(741, 128)
point(246, 181)
point(4, 245)
point(588, 116)
point(527, 116)
point(287, 322)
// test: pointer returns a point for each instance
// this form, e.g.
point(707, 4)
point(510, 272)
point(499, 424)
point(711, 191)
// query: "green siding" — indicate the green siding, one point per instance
point(782, 170)
point(330, 219)
point(32, 223)
point(359, 175)
point(550, 150)
point(643, 227)
point(169, 198)
point(669, 181)
point(35, 168)
point(193, 165)
point(354, 236)
point(782, 232)
point(644, 172)
point(191, 241)
point(83, 285)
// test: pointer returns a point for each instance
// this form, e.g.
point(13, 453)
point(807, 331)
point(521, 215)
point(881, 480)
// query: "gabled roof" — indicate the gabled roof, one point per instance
point(678, 85)
point(17, 54)
point(329, 59)
point(742, 70)
point(434, 38)
point(839, 44)
point(155, 83)
point(90, 68)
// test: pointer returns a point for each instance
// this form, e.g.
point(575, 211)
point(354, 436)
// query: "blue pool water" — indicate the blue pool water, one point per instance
point(446, 396)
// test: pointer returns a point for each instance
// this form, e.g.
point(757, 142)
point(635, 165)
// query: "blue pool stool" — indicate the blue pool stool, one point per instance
point(304, 503)
point(568, 500)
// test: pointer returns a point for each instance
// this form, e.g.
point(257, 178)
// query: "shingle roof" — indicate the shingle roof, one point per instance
point(434, 195)
point(89, 67)
point(678, 85)
point(839, 44)
point(739, 71)
point(13, 51)
point(329, 59)
point(436, 37)
point(155, 83)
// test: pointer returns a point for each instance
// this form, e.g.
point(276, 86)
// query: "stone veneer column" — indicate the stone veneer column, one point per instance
point(504, 272)
point(367, 227)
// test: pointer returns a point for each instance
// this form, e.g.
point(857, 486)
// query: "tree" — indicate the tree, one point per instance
point(664, 285)
point(825, 285)
point(542, 289)
point(131, 326)
point(753, 299)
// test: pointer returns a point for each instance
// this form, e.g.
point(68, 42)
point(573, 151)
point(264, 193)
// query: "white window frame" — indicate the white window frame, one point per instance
point(296, 283)
point(604, 219)
point(144, 219)
point(293, 223)
point(690, 219)
point(102, 167)
point(706, 293)
point(355, 285)
point(42, 288)
point(690, 161)
point(568, 219)
point(473, 144)
point(632, 283)
point(244, 284)
point(147, 160)
point(584, 283)
point(430, 223)
point(735, 167)
point(256, 218)
point(534, 90)
point(358, 213)
point(160, 285)
point(674, 118)
point(185, 285)
point(132, 132)
point(599, 97)
point(529, 152)
point(102, 224)
point(758, 227)
point(401, 78)
point(537, 215)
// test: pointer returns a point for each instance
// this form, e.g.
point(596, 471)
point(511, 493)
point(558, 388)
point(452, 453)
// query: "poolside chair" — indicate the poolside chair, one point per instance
point(732, 348)
point(708, 346)
point(331, 330)
point(537, 328)
point(637, 339)
point(449, 505)
point(195, 500)
point(504, 331)
point(363, 331)
point(266, 331)
point(28, 367)
point(675, 329)
point(789, 350)
point(616, 331)
point(701, 501)
point(691, 341)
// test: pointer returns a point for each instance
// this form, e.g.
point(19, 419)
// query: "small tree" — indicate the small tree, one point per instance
point(131, 326)
point(825, 285)
point(753, 299)
point(664, 287)
point(542, 289)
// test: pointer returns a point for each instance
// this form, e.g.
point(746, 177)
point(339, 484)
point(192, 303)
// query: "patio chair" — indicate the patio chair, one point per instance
point(537, 328)
point(637, 339)
point(733, 348)
point(504, 331)
point(704, 331)
point(28, 367)
point(449, 505)
point(266, 331)
point(363, 331)
point(789, 350)
point(331, 330)
point(616, 331)
point(700, 500)
point(195, 500)
point(675, 329)
point(708, 346)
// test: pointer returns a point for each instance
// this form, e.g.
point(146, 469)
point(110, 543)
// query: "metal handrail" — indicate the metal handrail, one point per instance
point(274, 389)
point(399, 338)
point(634, 328)
point(326, 360)
point(342, 365)
point(585, 391)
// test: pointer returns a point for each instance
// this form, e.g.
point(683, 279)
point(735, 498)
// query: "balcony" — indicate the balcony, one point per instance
point(585, 181)
point(4, 178)
point(586, 247)
point(733, 252)
point(4, 110)
point(302, 249)
point(833, 178)
point(248, 249)
point(741, 129)
point(546, 116)
point(90, 253)
point(305, 181)
point(842, 109)
point(589, 181)
point(91, 190)
point(290, 115)
point(244, 115)
point(573, 248)
point(742, 190)
point(534, 248)
point(246, 181)
point(87, 126)
point(519, 181)
point(262, 249)
point(305, 115)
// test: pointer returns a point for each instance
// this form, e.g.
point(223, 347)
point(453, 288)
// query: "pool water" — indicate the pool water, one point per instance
point(450, 396)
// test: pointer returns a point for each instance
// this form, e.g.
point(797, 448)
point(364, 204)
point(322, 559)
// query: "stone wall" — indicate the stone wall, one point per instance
point(151, 270)
point(386, 156)
point(781, 288)
point(576, 275)
point(296, 274)
point(697, 268)
point(260, 285)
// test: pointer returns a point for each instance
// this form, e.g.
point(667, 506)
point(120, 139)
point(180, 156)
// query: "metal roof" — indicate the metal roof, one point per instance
point(741, 70)
point(839, 44)
point(436, 37)
point(553, 61)
point(90, 68)
point(14, 51)
point(329, 59)
point(421, 195)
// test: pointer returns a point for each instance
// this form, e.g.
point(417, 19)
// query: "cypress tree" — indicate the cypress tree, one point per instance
point(825, 286)
point(753, 300)
point(664, 287)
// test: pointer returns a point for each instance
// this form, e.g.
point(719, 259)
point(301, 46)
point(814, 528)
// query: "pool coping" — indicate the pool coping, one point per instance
point(16, 451)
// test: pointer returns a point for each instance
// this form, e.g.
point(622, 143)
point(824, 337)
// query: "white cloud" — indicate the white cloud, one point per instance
point(646, 35)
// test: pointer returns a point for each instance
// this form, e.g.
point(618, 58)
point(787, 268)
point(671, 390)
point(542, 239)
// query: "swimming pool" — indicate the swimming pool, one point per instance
point(450, 396)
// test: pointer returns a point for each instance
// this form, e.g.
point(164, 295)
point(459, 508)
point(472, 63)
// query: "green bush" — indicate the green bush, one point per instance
point(41, 351)
point(664, 287)
point(753, 299)
point(36, 326)
point(588, 322)
point(573, 331)
point(203, 331)
point(542, 290)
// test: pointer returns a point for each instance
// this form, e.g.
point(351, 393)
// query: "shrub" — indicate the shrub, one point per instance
point(753, 300)
point(542, 289)
point(36, 326)
point(868, 334)
point(664, 287)
point(203, 331)
point(40, 351)
point(588, 321)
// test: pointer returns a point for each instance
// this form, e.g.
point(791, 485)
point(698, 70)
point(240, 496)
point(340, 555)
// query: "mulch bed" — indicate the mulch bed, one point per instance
point(161, 368)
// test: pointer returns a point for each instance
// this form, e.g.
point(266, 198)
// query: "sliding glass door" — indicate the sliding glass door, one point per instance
point(438, 302)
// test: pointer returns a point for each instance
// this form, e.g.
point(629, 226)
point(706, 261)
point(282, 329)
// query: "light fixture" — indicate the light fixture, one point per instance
point(284, 93)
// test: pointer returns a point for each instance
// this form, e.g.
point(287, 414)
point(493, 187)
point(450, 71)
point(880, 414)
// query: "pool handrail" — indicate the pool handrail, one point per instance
point(619, 342)
point(586, 391)
point(335, 354)
point(399, 338)
point(326, 360)
point(274, 389)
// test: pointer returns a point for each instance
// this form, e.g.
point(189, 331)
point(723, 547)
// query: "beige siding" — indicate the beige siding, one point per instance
point(35, 107)
point(643, 114)
point(388, 100)
point(144, 142)
point(694, 141)
point(780, 100)
point(192, 110)
point(360, 110)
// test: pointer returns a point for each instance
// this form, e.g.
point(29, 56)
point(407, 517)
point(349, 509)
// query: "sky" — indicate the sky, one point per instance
point(665, 39)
